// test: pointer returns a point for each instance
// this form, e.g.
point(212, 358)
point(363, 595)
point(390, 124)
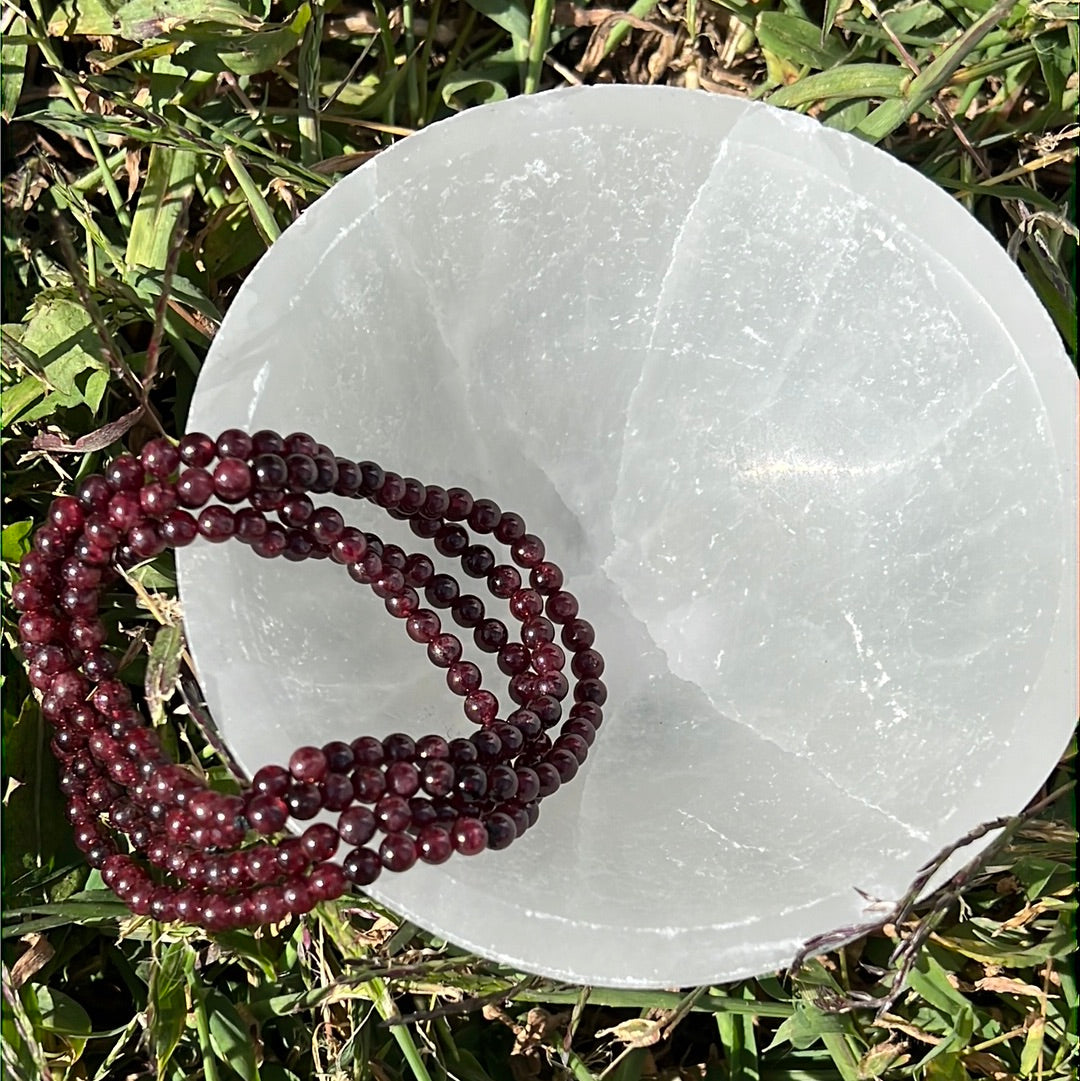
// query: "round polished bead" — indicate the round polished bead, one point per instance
point(67, 513)
point(339, 756)
point(232, 480)
point(362, 866)
point(273, 543)
point(481, 707)
point(266, 814)
point(271, 781)
point(356, 825)
point(308, 764)
point(549, 778)
point(197, 449)
point(537, 631)
point(369, 784)
point(451, 541)
point(460, 504)
point(319, 842)
point(514, 658)
point(304, 800)
point(522, 687)
point(471, 782)
point(469, 836)
point(398, 747)
point(390, 490)
point(348, 478)
point(234, 443)
point(291, 858)
point(526, 604)
point(484, 515)
point(546, 578)
point(547, 709)
point(158, 499)
point(367, 751)
point(297, 897)
point(578, 726)
point(326, 525)
point(468, 611)
point(125, 473)
point(502, 782)
point(437, 502)
point(302, 472)
point(269, 905)
point(432, 747)
point(160, 458)
point(504, 581)
point(528, 784)
point(267, 441)
point(350, 547)
point(441, 591)
point(392, 814)
point(562, 607)
point(587, 664)
point(511, 527)
point(326, 882)
point(94, 493)
point(336, 791)
point(548, 657)
point(591, 690)
point(463, 677)
point(423, 625)
point(477, 561)
point(178, 528)
point(444, 650)
point(527, 551)
point(216, 524)
point(578, 634)
point(437, 777)
point(402, 779)
point(398, 852)
point(269, 472)
point(193, 488)
point(577, 746)
point(501, 830)
point(413, 498)
point(249, 525)
point(433, 844)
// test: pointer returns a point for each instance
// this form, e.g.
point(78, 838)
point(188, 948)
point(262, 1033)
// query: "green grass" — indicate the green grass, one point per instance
point(151, 152)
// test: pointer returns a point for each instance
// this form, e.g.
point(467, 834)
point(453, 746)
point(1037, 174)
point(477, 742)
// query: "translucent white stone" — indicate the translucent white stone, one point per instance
point(800, 435)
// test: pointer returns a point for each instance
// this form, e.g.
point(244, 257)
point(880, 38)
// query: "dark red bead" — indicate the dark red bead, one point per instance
point(481, 707)
point(308, 764)
point(433, 844)
point(459, 504)
point(514, 658)
point(468, 611)
point(437, 777)
point(578, 726)
point(578, 634)
point(432, 747)
point(562, 607)
point(337, 791)
point(125, 473)
point(197, 449)
point(319, 842)
point(441, 591)
point(397, 852)
point(233, 480)
point(526, 604)
point(436, 502)
point(369, 784)
point(549, 778)
point(94, 493)
point(590, 690)
point(471, 782)
point(504, 581)
point(469, 836)
point(402, 779)
point(565, 762)
point(349, 478)
point(484, 515)
point(392, 814)
point(444, 650)
point(502, 782)
point(291, 858)
point(178, 528)
point(160, 458)
point(362, 866)
point(398, 747)
point(193, 488)
point(423, 625)
point(463, 677)
point(501, 830)
point(546, 578)
point(327, 882)
point(145, 541)
point(367, 751)
point(158, 499)
point(356, 826)
point(266, 814)
point(271, 781)
point(304, 800)
point(234, 443)
point(67, 513)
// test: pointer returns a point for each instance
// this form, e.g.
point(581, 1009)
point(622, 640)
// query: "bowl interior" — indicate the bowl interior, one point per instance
point(791, 423)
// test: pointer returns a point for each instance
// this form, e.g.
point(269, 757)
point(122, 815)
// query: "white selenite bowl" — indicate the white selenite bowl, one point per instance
point(800, 435)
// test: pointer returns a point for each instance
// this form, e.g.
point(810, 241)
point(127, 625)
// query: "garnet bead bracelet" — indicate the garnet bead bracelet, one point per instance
point(172, 847)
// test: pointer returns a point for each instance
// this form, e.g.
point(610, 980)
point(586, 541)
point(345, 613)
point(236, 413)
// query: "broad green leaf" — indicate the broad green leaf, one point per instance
point(60, 1015)
point(797, 40)
point(1057, 61)
point(92, 18)
point(946, 1067)
point(170, 176)
point(740, 1046)
point(64, 345)
point(143, 20)
point(806, 1026)
point(247, 53)
point(840, 84)
point(163, 670)
point(511, 15)
point(903, 19)
point(19, 397)
point(167, 1002)
point(15, 540)
point(473, 87)
point(230, 1037)
point(12, 66)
